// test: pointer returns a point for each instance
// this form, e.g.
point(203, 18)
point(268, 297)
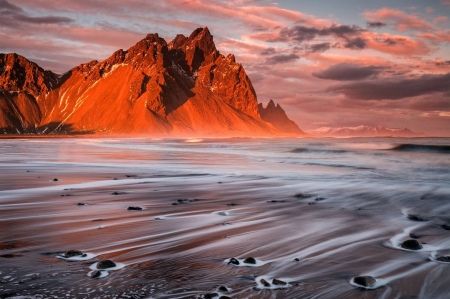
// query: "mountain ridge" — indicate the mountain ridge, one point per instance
point(178, 88)
point(364, 131)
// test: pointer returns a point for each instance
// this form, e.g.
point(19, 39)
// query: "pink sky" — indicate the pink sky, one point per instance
point(327, 63)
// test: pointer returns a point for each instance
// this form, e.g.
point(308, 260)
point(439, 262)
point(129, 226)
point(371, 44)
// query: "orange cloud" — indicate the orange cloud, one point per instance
point(399, 19)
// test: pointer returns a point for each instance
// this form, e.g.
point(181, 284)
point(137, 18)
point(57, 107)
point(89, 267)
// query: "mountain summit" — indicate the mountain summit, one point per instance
point(182, 87)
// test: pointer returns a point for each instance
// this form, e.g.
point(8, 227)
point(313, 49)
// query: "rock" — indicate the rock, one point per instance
point(118, 193)
point(303, 195)
point(82, 204)
point(319, 198)
point(96, 274)
point(211, 295)
point(105, 264)
point(224, 297)
point(134, 208)
point(115, 179)
point(278, 282)
point(222, 289)
point(265, 283)
point(275, 201)
point(365, 281)
point(445, 226)
point(72, 253)
point(250, 260)
point(445, 259)
point(233, 261)
point(232, 204)
point(311, 203)
point(55, 180)
point(297, 259)
point(130, 175)
point(175, 204)
point(95, 220)
point(411, 244)
point(415, 218)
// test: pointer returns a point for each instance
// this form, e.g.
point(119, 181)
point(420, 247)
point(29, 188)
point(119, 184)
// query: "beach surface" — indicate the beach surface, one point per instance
point(171, 213)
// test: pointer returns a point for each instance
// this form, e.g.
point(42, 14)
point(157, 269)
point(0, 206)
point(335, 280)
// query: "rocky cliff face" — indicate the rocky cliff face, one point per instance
point(278, 118)
point(182, 87)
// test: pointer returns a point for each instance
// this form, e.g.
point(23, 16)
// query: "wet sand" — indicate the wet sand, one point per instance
point(311, 219)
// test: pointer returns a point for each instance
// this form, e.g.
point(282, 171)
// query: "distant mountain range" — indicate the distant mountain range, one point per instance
point(364, 131)
point(178, 88)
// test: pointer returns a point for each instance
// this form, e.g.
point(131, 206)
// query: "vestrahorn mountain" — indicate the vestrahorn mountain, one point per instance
point(179, 88)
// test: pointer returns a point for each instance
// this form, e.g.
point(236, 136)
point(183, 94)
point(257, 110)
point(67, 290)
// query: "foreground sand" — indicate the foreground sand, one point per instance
point(203, 204)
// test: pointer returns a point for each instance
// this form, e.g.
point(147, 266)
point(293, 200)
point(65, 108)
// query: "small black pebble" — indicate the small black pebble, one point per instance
point(278, 282)
point(311, 203)
point(118, 193)
point(319, 198)
point(364, 281)
point(55, 180)
point(445, 226)
point(105, 264)
point(303, 195)
point(264, 282)
point(96, 274)
point(445, 259)
point(81, 204)
point(211, 295)
point(415, 218)
point(232, 204)
point(233, 261)
point(224, 297)
point(414, 236)
point(222, 289)
point(411, 245)
point(115, 179)
point(134, 208)
point(297, 259)
point(250, 260)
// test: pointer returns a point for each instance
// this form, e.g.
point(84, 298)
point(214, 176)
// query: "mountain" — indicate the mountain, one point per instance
point(178, 88)
point(364, 131)
point(278, 118)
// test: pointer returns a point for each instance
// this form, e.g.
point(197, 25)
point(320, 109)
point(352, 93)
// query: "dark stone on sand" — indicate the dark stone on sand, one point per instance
point(222, 289)
point(278, 282)
point(72, 253)
point(303, 195)
point(55, 180)
point(224, 297)
point(275, 201)
point(250, 260)
point(105, 264)
point(415, 218)
point(219, 183)
point(445, 226)
point(232, 204)
point(134, 208)
point(311, 203)
point(96, 274)
point(297, 259)
point(175, 204)
point(82, 204)
point(365, 281)
point(118, 193)
point(211, 295)
point(319, 198)
point(445, 259)
point(233, 261)
point(131, 175)
point(264, 282)
point(411, 245)
point(95, 220)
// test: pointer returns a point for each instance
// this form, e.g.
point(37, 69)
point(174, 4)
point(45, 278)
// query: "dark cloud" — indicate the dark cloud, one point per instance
point(356, 43)
point(395, 89)
point(443, 63)
point(10, 14)
point(283, 58)
point(269, 51)
point(302, 33)
point(318, 48)
point(348, 71)
point(376, 24)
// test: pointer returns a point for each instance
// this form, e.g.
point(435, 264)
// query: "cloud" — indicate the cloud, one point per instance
point(10, 13)
point(356, 43)
point(282, 58)
point(300, 33)
point(399, 19)
point(376, 24)
point(446, 2)
point(394, 89)
point(348, 71)
point(318, 48)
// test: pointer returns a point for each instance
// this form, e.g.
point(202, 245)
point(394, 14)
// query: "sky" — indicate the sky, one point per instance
point(328, 63)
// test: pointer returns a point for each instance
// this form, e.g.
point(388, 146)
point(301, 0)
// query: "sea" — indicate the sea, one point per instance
point(225, 217)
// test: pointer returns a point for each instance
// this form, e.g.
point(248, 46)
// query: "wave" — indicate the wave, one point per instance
point(322, 151)
point(444, 149)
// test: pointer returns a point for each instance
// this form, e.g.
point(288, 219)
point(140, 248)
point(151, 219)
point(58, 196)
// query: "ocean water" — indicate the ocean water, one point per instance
point(313, 213)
